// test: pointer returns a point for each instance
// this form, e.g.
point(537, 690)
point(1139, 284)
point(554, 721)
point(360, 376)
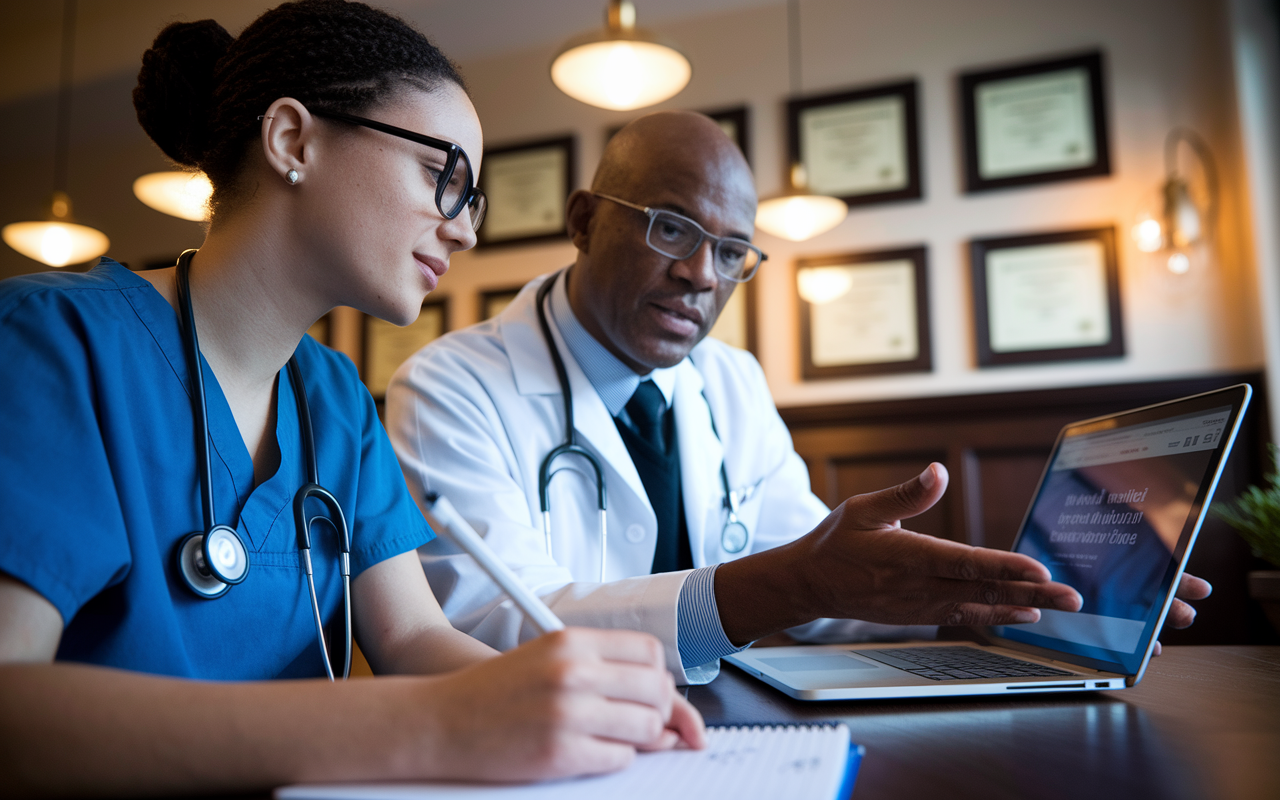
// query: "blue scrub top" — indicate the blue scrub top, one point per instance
point(98, 485)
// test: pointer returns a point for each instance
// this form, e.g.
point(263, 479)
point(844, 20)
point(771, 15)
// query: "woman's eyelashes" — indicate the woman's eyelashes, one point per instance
point(433, 171)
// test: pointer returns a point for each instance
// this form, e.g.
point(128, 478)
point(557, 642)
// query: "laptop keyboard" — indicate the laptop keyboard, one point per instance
point(958, 663)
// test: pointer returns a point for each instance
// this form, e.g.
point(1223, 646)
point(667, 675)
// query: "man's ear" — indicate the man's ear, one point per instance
point(287, 133)
point(579, 212)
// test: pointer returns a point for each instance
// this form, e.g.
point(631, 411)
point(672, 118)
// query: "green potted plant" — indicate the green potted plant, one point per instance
point(1256, 515)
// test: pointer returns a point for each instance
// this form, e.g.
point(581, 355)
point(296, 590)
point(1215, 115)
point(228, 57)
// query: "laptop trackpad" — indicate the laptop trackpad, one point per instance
point(817, 663)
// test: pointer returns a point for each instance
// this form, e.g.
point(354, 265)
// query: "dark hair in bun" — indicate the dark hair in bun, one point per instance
point(200, 91)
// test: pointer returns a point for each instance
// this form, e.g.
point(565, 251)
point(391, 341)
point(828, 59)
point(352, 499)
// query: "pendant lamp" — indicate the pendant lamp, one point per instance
point(59, 240)
point(622, 67)
point(1179, 226)
point(798, 214)
point(176, 193)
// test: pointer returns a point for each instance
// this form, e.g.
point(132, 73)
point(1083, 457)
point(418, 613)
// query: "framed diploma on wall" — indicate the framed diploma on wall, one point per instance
point(864, 313)
point(736, 325)
point(1034, 123)
point(862, 146)
point(1046, 297)
point(494, 301)
point(527, 186)
point(387, 346)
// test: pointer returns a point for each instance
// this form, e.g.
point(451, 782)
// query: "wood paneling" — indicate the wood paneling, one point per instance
point(995, 446)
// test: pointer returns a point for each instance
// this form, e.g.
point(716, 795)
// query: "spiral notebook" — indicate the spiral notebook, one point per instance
point(764, 762)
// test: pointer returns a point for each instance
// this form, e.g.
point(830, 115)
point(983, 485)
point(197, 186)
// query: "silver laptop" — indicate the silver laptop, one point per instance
point(1115, 516)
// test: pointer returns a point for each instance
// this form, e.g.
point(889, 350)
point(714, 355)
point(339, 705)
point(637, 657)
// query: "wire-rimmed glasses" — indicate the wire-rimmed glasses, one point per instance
point(676, 236)
point(455, 189)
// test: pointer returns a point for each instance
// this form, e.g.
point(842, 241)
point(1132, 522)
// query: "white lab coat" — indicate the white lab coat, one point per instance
point(472, 416)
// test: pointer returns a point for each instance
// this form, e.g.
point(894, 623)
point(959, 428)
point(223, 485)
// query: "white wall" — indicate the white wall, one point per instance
point(1169, 63)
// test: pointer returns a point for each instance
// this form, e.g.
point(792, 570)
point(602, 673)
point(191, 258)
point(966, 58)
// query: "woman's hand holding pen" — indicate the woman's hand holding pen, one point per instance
point(573, 702)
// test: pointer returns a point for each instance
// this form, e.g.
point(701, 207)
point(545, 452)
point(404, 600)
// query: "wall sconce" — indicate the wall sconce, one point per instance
point(1180, 230)
point(622, 67)
point(179, 194)
point(798, 215)
point(58, 240)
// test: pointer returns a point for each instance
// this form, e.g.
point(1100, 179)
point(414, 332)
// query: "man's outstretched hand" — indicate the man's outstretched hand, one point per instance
point(859, 563)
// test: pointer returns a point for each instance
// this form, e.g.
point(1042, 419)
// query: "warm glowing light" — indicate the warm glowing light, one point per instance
point(819, 285)
point(621, 74)
point(801, 216)
point(1179, 263)
point(1148, 235)
point(179, 194)
point(56, 244)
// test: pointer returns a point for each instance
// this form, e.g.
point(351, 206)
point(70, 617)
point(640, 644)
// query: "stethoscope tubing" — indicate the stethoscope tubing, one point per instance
point(311, 490)
point(570, 446)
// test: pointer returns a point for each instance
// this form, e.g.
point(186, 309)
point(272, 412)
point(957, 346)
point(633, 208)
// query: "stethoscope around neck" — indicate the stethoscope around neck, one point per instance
point(733, 534)
point(211, 562)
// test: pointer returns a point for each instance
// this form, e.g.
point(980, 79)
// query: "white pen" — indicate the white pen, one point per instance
point(445, 518)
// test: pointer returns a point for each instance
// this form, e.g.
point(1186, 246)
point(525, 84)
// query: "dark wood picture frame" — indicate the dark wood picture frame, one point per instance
point(487, 297)
point(569, 146)
point(908, 91)
point(980, 249)
point(432, 305)
point(740, 116)
point(970, 82)
point(918, 255)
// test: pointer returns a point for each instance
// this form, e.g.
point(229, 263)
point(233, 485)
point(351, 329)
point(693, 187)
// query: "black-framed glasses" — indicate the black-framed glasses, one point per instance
point(676, 236)
point(455, 188)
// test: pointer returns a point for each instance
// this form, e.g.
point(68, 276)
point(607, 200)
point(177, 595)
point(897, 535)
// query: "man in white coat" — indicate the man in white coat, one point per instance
point(671, 417)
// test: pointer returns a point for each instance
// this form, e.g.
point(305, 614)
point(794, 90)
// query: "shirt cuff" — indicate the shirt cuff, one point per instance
point(699, 634)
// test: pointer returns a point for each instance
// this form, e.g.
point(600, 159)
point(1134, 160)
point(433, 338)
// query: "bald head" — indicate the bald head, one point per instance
point(657, 148)
point(643, 304)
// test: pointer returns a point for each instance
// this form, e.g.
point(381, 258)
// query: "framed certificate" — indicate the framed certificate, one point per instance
point(734, 122)
point(493, 301)
point(1034, 123)
point(864, 313)
point(387, 346)
point(527, 186)
point(862, 146)
point(736, 325)
point(1047, 297)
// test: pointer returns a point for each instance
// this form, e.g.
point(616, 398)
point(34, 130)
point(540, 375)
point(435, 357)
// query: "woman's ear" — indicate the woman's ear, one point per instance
point(579, 211)
point(288, 134)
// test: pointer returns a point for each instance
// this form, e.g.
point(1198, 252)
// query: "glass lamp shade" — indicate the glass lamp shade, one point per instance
point(799, 217)
point(621, 67)
point(179, 194)
point(620, 73)
point(56, 243)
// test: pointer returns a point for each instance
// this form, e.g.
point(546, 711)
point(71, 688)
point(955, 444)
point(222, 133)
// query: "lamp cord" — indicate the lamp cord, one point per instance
point(793, 45)
point(62, 142)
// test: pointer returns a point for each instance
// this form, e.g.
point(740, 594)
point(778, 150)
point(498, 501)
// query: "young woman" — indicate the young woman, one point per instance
point(134, 656)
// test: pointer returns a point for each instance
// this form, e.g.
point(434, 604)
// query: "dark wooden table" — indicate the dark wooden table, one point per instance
point(1204, 723)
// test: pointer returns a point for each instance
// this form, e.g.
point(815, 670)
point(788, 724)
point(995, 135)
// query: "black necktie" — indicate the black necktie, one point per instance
point(647, 409)
point(650, 439)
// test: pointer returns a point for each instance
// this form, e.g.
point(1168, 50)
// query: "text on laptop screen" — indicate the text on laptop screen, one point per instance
point(1107, 522)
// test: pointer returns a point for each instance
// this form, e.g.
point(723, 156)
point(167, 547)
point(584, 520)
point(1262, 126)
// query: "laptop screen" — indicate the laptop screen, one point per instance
point(1113, 517)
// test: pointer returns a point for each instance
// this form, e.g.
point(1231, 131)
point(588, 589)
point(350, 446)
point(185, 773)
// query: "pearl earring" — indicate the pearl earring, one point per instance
point(291, 176)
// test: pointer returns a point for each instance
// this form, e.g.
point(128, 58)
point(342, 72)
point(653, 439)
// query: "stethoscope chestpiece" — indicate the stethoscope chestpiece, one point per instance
point(210, 564)
point(733, 536)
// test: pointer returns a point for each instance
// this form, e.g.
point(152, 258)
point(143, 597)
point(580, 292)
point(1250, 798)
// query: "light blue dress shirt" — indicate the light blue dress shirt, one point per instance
point(699, 633)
